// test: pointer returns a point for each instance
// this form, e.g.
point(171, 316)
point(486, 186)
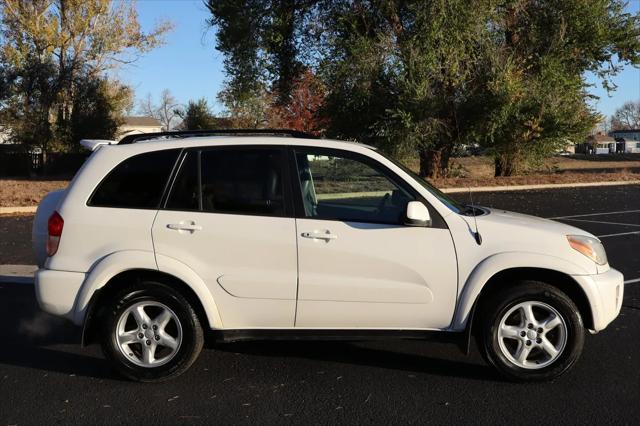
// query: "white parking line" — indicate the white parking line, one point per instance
point(618, 234)
point(605, 223)
point(595, 214)
point(637, 280)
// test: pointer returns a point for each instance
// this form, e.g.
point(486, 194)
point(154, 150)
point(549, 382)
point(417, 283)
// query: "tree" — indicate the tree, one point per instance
point(197, 116)
point(260, 40)
point(626, 117)
point(98, 109)
point(403, 75)
point(50, 48)
point(536, 94)
point(302, 111)
point(165, 111)
point(422, 77)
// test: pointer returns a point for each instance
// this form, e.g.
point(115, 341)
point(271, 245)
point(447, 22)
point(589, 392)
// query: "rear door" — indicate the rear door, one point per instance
point(228, 217)
point(359, 265)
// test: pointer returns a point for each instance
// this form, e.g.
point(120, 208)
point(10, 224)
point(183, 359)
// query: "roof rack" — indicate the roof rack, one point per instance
point(129, 139)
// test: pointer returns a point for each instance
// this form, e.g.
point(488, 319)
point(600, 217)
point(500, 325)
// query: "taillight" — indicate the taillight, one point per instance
point(55, 225)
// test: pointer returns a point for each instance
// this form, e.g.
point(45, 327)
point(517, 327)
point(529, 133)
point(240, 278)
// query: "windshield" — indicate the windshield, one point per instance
point(444, 198)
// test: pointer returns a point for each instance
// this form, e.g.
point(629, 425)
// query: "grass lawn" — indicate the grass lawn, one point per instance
point(478, 171)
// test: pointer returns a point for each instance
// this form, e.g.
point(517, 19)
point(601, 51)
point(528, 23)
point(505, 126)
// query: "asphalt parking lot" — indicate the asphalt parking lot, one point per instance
point(45, 377)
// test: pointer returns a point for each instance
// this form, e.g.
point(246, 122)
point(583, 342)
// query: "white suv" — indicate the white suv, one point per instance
point(283, 237)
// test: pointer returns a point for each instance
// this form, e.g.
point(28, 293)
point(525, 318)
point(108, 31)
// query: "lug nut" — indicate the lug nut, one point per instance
point(155, 327)
point(530, 326)
point(523, 333)
point(157, 337)
point(148, 342)
point(538, 340)
point(140, 335)
point(528, 342)
point(540, 330)
point(145, 326)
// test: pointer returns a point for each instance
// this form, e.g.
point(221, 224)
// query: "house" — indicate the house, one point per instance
point(628, 135)
point(137, 125)
point(627, 140)
point(5, 135)
point(597, 144)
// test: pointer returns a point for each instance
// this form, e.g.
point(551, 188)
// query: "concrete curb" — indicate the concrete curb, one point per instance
point(540, 186)
point(10, 210)
point(32, 209)
point(17, 274)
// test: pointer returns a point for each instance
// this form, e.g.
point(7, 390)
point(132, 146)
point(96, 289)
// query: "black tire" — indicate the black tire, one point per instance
point(192, 334)
point(499, 304)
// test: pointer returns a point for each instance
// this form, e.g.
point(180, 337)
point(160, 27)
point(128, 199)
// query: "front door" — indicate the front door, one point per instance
point(227, 218)
point(359, 265)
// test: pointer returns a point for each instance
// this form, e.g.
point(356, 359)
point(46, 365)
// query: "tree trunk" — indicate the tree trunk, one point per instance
point(434, 163)
point(505, 165)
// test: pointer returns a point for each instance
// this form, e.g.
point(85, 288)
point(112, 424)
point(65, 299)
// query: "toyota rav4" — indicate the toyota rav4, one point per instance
point(162, 237)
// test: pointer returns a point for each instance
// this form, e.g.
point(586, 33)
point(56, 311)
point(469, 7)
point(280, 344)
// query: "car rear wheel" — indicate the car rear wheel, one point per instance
point(531, 332)
point(151, 333)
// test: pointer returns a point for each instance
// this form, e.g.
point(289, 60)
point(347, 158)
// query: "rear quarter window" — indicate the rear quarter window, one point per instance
point(136, 183)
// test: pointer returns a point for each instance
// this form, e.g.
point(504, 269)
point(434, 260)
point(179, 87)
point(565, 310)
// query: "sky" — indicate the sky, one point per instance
point(188, 64)
point(190, 67)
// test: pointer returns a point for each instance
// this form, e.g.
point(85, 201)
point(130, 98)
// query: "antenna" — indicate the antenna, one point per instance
point(476, 234)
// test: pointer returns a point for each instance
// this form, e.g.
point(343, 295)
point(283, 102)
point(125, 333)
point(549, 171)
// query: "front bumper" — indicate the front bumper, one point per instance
point(56, 291)
point(605, 292)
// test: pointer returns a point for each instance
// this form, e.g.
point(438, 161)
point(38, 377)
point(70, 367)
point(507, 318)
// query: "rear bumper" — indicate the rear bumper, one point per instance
point(56, 291)
point(605, 292)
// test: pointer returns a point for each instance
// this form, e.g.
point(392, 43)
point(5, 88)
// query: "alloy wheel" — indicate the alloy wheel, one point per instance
point(149, 334)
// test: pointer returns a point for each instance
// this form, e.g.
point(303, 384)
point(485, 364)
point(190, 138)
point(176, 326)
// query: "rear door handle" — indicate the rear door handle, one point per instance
point(319, 235)
point(184, 227)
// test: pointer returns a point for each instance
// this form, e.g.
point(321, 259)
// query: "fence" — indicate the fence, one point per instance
point(25, 164)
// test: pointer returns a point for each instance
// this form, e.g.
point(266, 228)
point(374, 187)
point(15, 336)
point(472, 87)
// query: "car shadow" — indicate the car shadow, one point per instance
point(357, 353)
point(31, 338)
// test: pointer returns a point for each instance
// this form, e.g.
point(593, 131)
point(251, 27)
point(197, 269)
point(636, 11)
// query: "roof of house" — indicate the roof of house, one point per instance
point(600, 138)
point(141, 121)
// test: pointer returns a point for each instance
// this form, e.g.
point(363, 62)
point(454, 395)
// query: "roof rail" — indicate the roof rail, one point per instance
point(129, 139)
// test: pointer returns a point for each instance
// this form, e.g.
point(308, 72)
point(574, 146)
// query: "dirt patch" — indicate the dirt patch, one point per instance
point(23, 192)
point(483, 167)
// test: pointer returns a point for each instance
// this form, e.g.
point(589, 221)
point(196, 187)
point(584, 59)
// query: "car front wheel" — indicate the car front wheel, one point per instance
point(531, 332)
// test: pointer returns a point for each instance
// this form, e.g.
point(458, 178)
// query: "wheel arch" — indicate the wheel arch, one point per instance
point(127, 277)
point(110, 271)
point(506, 277)
point(560, 280)
point(501, 268)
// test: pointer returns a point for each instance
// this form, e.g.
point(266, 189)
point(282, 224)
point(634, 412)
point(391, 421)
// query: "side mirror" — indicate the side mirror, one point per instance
point(417, 214)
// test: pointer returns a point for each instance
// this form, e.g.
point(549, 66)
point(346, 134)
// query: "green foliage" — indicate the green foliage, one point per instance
point(536, 96)
point(97, 108)
point(426, 77)
point(54, 52)
point(197, 116)
point(260, 41)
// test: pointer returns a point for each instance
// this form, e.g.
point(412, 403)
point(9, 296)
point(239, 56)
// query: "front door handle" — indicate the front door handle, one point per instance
point(319, 235)
point(191, 227)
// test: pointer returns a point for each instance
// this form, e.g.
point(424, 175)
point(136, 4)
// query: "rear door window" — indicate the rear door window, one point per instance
point(231, 180)
point(136, 183)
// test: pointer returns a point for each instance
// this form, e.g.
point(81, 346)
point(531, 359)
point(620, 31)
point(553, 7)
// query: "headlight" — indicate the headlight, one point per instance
point(590, 247)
